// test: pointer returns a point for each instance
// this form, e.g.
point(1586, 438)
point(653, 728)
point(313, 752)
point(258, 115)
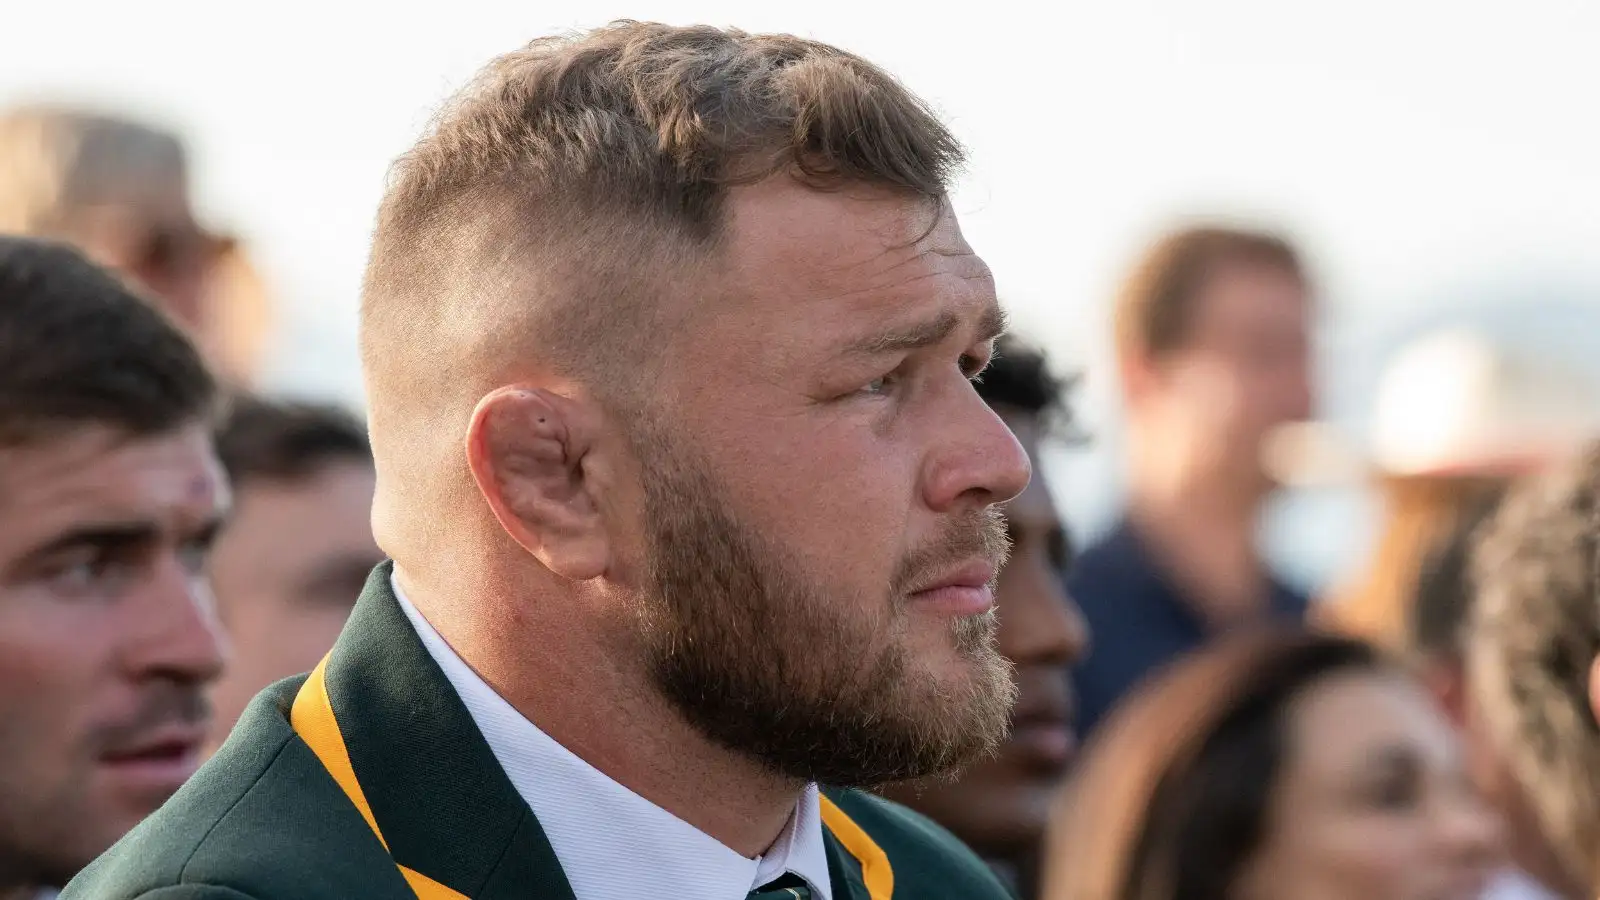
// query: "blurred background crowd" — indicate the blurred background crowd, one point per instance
point(1307, 293)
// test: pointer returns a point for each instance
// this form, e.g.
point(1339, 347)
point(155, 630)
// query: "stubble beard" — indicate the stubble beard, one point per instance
point(769, 663)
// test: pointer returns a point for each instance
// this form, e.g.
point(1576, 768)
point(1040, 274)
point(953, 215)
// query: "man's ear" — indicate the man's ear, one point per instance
point(525, 446)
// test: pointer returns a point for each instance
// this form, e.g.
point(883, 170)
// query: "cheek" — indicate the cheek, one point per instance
point(1339, 855)
point(57, 672)
point(274, 638)
point(839, 502)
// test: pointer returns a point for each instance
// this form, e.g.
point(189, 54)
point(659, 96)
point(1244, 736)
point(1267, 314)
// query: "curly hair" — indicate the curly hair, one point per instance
point(1534, 635)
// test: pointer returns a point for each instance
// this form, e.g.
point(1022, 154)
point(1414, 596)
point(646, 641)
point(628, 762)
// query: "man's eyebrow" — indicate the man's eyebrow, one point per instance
point(917, 335)
point(109, 535)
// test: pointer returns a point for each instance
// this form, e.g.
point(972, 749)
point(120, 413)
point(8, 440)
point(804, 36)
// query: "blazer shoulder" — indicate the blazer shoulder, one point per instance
point(927, 860)
point(194, 892)
point(262, 820)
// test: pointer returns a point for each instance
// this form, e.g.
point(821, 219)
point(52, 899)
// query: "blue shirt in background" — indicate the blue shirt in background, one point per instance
point(1137, 620)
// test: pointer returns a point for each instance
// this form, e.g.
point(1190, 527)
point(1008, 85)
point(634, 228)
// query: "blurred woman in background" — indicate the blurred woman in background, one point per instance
point(1272, 766)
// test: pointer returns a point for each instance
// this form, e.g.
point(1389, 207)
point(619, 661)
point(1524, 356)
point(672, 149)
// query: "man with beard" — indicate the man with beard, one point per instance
point(668, 336)
point(1000, 806)
point(109, 496)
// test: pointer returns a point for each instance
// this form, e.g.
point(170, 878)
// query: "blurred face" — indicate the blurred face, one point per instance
point(286, 571)
point(1245, 369)
point(150, 235)
point(999, 805)
point(1374, 802)
point(107, 638)
point(822, 490)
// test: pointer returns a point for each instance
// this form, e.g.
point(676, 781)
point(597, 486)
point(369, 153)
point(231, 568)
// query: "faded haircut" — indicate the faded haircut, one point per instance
point(1535, 633)
point(577, 182)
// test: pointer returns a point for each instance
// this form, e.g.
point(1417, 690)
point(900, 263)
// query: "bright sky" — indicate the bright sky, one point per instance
point(1412, 145)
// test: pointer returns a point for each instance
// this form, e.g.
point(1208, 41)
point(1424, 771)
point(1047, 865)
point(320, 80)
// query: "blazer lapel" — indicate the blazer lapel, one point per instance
point(844, 871)
point(445, 806)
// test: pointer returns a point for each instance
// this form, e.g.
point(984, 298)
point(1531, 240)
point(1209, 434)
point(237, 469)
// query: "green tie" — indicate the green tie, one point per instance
point(789, 887)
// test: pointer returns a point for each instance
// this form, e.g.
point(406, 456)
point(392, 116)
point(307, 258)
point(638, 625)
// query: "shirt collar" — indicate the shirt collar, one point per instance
point(612, 842)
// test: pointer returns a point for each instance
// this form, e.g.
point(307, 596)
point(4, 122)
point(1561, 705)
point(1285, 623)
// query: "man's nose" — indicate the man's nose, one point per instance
point(173, 631)
point(977, 460)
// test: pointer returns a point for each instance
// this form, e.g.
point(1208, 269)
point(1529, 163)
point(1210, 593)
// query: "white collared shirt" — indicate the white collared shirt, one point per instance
point(612, 843)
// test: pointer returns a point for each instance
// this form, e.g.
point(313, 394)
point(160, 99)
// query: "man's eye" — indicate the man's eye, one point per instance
point(194, 556)
point(82, 571)
point(883, 384)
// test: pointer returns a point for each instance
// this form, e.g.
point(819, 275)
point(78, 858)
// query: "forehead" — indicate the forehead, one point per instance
point(279, 528)
point(860, 251)
point(101, 473)
point(1241, 296)
point(1343, 720)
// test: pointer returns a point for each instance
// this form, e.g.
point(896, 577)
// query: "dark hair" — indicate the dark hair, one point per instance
point(283, 441)
point(1019, 377)
point(1171, 799)
point(1154, 310)
point(1437, 616)
point(81, 348)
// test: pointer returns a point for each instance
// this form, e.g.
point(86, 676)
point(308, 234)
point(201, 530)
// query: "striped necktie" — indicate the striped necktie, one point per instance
point(789, 887)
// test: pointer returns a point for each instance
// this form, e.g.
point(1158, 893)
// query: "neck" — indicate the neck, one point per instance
point(576, 690)
point(1202, 529)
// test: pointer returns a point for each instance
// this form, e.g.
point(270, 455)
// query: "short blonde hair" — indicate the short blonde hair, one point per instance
point(572, 187)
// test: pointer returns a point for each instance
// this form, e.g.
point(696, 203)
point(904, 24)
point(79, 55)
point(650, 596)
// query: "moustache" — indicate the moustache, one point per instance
point(164, 704)
point(981, 534)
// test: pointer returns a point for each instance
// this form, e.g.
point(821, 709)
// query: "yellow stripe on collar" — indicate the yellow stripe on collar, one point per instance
point(875, 869)
point(312, 719)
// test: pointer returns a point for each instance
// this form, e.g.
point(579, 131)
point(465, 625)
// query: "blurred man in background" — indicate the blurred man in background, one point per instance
point(110, 495)
point(298, 546)
point(1532, 672)
point(1213, 344)
point(120, 191)
point(999, 806)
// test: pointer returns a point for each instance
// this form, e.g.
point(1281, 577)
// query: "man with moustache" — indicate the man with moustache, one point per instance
point(110, 494)
point(999, 806)
point(668, 336)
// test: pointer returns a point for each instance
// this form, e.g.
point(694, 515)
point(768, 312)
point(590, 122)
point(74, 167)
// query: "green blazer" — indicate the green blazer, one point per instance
point(278, 813)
